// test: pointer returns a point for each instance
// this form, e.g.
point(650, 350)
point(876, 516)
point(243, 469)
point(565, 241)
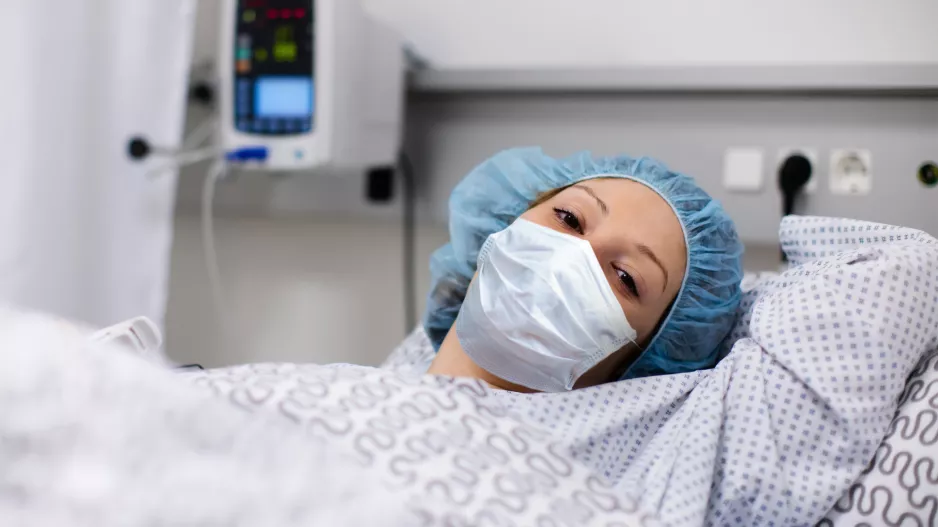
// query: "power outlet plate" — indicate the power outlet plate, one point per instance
point(851, 172)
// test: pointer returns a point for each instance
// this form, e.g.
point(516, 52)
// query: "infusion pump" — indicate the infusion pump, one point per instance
point(309, 84)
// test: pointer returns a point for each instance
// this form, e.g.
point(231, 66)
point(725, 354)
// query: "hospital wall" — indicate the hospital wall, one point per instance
point(313, 270)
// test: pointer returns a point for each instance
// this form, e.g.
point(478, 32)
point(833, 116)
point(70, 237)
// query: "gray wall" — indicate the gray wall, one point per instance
point(691, 134)
point(448, 134)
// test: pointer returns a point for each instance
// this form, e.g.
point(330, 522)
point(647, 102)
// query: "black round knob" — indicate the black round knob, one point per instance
point(138, 148)
point(203, 93)
point(928, 174)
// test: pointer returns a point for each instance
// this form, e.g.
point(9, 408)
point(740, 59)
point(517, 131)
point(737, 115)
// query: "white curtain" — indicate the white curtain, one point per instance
point(84, 233)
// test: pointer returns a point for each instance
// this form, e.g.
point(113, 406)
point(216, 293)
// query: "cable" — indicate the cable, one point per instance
point(409, 235)
point(200, 133)
point(195, 156)
point(182, 159)
point(215, 172)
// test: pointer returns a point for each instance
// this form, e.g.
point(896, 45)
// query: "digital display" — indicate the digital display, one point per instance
point(283, 97)
point(274, 67)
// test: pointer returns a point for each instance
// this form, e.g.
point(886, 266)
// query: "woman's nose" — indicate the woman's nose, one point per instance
point(600, 246)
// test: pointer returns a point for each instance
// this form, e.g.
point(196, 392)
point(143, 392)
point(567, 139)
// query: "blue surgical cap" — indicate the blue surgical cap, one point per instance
point(499, 190)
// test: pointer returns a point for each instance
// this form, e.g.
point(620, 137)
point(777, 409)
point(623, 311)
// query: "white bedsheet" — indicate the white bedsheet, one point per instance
point(92, 436)
point(96, 437)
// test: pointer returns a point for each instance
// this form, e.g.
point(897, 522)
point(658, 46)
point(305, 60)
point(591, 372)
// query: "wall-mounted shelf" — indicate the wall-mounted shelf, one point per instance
point(913, 79)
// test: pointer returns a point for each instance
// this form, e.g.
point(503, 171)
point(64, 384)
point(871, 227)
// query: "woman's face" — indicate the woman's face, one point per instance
point(639, 243)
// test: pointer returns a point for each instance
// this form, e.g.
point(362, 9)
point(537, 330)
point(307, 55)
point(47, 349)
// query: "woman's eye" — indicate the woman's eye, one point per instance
point(628, 281)
point(569, 219)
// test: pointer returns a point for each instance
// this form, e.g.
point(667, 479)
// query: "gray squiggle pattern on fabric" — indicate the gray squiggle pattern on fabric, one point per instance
point(447, 446)
point(900, 485)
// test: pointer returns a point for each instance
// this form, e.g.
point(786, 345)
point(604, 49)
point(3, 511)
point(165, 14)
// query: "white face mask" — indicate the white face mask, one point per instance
point(541, 312)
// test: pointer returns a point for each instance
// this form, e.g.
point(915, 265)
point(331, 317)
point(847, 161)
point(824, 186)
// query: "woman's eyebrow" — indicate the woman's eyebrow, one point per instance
point(602, 204)
point(644, 249)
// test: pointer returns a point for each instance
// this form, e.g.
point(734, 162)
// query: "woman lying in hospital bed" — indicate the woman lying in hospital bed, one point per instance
point(562, 277)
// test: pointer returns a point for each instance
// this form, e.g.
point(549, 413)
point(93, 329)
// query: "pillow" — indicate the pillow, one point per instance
point(900, 484)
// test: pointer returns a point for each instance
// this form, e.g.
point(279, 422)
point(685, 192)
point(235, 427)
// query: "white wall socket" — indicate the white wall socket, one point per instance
point(811, 154)
point(851, 172)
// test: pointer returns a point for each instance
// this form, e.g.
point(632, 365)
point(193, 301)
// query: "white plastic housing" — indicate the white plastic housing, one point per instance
point(359, 81)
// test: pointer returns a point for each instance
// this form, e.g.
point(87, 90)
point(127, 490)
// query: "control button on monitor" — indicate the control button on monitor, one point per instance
point(249, 16)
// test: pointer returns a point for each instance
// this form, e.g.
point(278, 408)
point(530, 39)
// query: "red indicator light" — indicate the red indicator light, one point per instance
point(272, 14)
point(286, 13)
point(299, 13)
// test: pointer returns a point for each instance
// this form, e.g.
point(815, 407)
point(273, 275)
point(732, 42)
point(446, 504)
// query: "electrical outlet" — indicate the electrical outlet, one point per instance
point(851, 172)
point(811, 155)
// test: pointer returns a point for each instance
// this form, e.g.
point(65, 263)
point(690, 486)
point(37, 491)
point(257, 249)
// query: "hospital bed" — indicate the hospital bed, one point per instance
point(763, 438)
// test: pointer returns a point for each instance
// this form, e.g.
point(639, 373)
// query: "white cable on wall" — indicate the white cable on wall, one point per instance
point(201, 133)
point(214, 173)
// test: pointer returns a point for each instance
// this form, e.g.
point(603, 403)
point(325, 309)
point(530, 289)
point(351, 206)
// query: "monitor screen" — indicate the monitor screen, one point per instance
point(283, 97)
